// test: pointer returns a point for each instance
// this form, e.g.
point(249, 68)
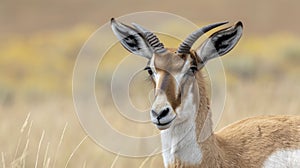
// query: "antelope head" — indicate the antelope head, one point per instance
point(174, 72)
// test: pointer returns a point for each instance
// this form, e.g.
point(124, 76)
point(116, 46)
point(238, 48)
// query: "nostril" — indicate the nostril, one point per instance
point(154, 113)
point(164, 113)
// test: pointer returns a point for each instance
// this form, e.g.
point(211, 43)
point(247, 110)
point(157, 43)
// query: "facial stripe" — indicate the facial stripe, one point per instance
point(166, 81)
point(170, 77)
point(167, 84)
point(179, 76)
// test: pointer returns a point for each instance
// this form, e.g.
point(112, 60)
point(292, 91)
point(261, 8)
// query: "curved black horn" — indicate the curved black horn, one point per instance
point(151, 38)
point(186, 45)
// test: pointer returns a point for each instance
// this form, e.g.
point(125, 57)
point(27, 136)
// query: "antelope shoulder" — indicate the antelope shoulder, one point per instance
point(263, 141)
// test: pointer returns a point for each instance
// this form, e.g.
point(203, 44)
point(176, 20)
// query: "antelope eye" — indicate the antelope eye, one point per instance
point(193, 69)
point(149, 70)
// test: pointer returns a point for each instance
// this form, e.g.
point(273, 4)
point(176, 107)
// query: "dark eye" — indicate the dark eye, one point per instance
point(193, 69)
point(149, 70)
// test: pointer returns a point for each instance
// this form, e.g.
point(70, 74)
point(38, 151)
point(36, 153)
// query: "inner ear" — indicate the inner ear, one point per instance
point(220, 43)
point(131, 39)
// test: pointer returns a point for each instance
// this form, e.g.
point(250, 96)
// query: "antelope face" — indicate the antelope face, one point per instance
point(173, 79)
point(174, 72)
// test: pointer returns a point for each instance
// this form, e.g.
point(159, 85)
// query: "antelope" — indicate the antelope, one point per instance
point(181, 108)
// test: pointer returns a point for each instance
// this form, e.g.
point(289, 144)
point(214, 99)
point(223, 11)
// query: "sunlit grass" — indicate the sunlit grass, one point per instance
point(263, 77)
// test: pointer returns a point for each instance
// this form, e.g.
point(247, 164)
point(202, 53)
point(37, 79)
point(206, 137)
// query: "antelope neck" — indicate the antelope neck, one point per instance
point(184, 143)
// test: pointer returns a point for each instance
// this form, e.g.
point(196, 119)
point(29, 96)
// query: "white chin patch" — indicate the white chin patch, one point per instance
point(163, 127)
point(283, 159)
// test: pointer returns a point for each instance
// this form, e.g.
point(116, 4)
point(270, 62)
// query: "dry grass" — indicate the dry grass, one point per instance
point(262, 78)
point(24, 153)
point(54, 138)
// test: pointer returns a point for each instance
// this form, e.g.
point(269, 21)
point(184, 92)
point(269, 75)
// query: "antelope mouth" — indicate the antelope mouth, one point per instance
point(163, 126)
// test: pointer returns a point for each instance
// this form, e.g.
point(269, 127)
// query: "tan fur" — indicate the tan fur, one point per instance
point(244, 144)
point(167, 64)
point(247, 143)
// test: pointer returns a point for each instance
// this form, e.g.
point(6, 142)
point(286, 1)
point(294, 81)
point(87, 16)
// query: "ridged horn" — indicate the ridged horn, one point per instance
point(186, 45)
point(151, 38)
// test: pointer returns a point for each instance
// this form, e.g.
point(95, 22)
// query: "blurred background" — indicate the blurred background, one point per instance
point(39, 43)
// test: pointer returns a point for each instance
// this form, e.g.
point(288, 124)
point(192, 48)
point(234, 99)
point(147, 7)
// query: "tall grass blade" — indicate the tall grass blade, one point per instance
point(39, 148)
point(75, 151)
point(59, 144)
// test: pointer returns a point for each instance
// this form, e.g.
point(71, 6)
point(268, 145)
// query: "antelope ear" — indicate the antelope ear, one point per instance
point(220, 43)
point(131, 39)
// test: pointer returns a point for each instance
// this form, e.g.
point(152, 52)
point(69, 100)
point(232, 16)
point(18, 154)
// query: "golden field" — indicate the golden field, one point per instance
point(38, 123)
point(262, 78)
